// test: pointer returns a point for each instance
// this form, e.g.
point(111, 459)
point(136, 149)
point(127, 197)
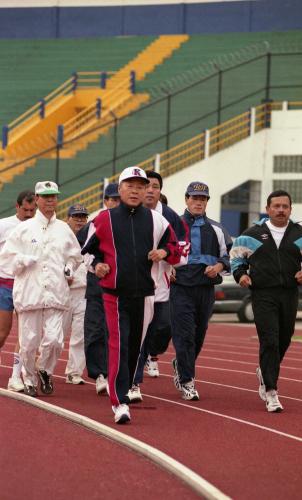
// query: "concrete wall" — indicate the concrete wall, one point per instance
point(93, 18)
point(249, 160)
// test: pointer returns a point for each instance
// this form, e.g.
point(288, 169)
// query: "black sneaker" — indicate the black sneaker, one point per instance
point(30, 390)
point(45, 382)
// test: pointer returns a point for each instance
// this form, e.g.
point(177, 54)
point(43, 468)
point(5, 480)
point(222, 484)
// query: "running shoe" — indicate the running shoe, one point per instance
point(189, 393)
point(100, 384)
point(15, 384)
point(121, 414)
point(272, 402)
point(262, 389)
point(134, 394)
point(75, 379)
point(30, 390)
point(152, 366)
point(176, 375)
point(46, 383)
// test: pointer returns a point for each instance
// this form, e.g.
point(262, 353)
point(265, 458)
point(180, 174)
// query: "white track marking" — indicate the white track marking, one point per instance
point(236, 361)
point(193, 480)
point(203, 367)
point(228, 386)
point(228, 417)
point(244, 389)
point(241, 353)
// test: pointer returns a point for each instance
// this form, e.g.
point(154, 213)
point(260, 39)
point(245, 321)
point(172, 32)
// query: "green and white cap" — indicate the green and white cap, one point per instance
point(43, 188)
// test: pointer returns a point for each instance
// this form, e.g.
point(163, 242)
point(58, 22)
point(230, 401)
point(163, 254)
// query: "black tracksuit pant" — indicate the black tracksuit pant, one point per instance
point(95, 330)
point(275, 311)
point(191, 308)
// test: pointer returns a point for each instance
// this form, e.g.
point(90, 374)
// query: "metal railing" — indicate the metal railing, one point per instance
point(102, 108)
point(226, 91)
point(189, 152)
point(81, 79)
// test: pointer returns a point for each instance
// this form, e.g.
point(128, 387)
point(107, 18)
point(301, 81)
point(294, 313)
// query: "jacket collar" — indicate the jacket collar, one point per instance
point(190, 218)
point(44, 220)
point(130, 210)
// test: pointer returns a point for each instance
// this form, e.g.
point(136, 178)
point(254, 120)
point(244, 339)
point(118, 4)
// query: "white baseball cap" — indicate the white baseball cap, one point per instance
point(133, 173)
point(46, 187)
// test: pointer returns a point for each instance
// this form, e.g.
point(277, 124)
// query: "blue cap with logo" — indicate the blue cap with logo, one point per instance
point(198, 189)
point(111, 191)
point(77, 210)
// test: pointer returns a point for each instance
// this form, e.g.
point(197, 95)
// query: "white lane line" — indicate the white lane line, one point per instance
point(229, 370)
point(245, 340)
point(241, 353)
point(212, 358)
point(228, 386)
point(228, 417)
point(193, 480)
point(244, 349)
point(202, 381)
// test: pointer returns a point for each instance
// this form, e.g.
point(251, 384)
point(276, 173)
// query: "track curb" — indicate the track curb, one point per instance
point(196, 482)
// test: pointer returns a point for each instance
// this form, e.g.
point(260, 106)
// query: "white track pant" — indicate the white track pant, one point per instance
point(73, 320)
point(40, 329)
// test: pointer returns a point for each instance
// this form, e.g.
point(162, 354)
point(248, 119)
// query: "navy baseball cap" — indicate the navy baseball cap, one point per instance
point(77, 210)
point(198, 189)
point(111, 191)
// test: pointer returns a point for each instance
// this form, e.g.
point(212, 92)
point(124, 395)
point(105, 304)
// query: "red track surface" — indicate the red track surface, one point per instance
point(227, 437)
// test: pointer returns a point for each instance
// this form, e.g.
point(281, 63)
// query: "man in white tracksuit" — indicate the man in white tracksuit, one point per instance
point(73, 320)
point(42, 254)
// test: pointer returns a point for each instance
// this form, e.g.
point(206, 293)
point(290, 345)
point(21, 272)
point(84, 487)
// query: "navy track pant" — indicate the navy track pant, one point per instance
point(191, 308)
point(95, 338)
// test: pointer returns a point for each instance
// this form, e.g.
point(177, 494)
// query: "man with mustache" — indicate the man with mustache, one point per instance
point(267, 259)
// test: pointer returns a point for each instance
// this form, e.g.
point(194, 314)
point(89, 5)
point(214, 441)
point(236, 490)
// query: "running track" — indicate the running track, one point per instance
point(227, 437)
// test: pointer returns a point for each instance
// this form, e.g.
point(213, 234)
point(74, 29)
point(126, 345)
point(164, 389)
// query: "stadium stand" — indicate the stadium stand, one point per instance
point(148, 124)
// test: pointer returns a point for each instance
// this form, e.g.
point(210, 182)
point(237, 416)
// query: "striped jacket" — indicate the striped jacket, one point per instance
point(124, 236)
point(255, 251)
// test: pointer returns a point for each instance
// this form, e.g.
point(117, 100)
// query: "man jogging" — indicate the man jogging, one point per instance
point(130, 240)
point(267, 259)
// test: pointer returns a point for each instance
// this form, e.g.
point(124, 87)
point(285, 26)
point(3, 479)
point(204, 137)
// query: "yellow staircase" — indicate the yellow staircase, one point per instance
point(74, 107)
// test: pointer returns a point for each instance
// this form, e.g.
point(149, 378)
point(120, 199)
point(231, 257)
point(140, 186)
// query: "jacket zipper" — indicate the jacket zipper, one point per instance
point(134, 247)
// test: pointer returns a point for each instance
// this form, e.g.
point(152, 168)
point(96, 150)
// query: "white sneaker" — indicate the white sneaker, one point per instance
point(176, 375)
point(262, 389)
point(189, 392)
point(152, 367)
point(134, 394)
point(100, 384)
point(121, 414)
point(272, 402)
point(74, 379)
point(15, 384)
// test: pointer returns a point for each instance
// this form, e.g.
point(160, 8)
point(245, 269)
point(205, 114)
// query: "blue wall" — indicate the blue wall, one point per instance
point(217, 17)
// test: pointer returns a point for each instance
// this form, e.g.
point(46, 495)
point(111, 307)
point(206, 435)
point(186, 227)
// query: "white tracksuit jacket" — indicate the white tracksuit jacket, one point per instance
point(36, 253)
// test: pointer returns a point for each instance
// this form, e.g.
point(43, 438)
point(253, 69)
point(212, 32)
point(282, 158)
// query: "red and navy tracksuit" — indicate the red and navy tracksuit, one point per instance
point(274, 290)
point(124, 236)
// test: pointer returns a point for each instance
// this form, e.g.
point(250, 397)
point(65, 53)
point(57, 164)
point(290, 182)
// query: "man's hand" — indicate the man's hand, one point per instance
point(245, 281)
point(101, 269)
point(173, 275)
point(298, 277)
point(68, 275)
point(157, 255)
point(212, 271)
